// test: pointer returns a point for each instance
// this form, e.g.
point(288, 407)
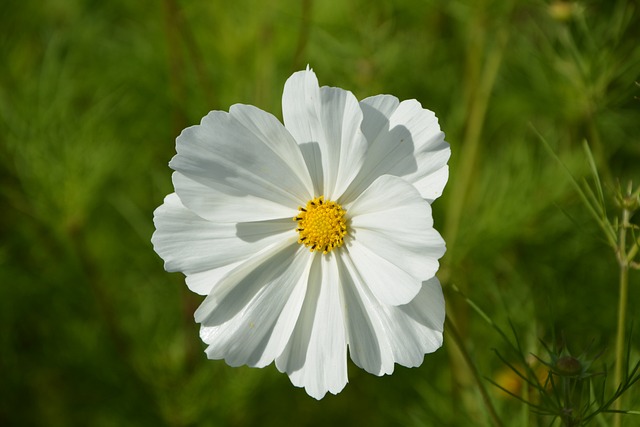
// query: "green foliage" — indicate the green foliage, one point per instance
point(93, 94)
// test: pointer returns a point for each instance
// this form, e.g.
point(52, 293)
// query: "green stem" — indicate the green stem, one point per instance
point(471, 141)
point(480, 79)
point(622, 310)
point(455, 335)
point(175, 59)
point(303, 34)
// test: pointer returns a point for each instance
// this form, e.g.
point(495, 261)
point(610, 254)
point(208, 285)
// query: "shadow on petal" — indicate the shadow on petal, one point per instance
point(390, 152)
point(258, 230)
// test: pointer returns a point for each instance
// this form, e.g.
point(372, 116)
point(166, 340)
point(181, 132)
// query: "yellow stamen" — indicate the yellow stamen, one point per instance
point(322, 225)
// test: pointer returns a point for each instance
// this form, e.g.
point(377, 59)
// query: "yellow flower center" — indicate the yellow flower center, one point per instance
point(322, 225)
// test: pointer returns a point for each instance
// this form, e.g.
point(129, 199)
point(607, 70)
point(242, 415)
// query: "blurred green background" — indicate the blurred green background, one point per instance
point(93, 94)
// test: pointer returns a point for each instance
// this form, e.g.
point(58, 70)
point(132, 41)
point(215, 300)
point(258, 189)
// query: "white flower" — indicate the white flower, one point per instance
point(311, 237)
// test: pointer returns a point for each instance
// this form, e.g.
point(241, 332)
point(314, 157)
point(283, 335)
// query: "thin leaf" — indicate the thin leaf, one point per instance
point(611, 238)
point(596, 177)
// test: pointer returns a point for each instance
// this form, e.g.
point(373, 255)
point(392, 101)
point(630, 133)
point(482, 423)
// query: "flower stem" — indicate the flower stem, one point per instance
point(455, 335)
point(470, 151)
point(303, 34)
point(175, 59)
point(622, 309)
point(471, 140)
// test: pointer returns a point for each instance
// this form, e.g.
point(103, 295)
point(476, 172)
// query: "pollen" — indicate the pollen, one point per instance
point(322, 225)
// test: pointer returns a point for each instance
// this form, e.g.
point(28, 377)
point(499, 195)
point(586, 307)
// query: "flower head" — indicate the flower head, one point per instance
point(311, 237)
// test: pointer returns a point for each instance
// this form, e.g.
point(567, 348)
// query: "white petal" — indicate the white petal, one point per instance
point(301, 116)
point(376, 111)
point(226, 206)
point(345, 142)
point(405, 140)
point(204, 250)
point(392, 241)
point(246, 155)
point(316, 356)
point(269, 129)
point(389, 283)
point(415, 329)
point(369, 345)
point(249, 317)
point(381, 335)
point(326, 123)
point(203, 281)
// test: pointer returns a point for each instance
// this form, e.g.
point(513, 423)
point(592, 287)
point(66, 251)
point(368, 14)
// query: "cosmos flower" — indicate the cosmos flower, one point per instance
point(311, 238)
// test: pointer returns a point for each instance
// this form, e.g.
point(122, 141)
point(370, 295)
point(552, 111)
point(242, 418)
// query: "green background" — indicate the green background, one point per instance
point(93, 94)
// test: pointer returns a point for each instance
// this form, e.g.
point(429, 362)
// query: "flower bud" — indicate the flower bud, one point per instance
point(568, 366)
